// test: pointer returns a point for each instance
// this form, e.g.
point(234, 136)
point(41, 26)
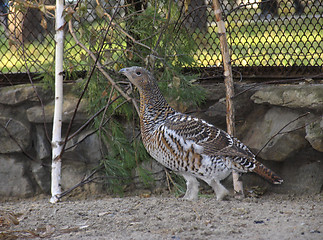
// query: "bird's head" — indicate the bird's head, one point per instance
point(139, 77)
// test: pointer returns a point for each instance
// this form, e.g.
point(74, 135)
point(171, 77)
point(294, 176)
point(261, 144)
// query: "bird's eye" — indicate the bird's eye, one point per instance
point(138, 73)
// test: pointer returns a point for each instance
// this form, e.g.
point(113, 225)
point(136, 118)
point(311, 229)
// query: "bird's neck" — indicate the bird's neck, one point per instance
point(154, 107)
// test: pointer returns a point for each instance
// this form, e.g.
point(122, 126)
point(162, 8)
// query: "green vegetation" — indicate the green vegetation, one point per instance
point(164, 49)
point(287, 41)
point(118, 127)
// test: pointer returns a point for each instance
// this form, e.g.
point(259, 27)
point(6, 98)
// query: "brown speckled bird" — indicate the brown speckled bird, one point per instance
point(188, 145)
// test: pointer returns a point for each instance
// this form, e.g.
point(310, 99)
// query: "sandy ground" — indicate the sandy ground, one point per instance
point(164, 217)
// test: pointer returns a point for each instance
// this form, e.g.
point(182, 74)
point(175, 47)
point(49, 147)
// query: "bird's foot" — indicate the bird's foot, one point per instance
point(192, 188)
point(221, 195)
point(239, 195)
point(190, 197)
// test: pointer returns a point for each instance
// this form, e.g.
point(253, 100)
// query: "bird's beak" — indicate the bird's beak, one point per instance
point(125, 72)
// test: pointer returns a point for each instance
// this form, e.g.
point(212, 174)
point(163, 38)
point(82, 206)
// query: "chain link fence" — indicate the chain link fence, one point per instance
point(262, 34)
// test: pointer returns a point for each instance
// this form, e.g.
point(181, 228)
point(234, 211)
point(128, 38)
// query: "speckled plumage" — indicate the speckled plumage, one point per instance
point(188, 145)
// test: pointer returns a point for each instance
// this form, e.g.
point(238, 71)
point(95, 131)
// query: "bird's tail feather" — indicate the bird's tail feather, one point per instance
point(266, 173)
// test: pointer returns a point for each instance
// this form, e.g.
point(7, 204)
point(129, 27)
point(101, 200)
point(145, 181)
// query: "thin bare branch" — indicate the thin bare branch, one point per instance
point(86, 180)
point(90, 178)
point(167, 180)
point(170, 179)
point(280, 131)
point(16, 142)
point(100, 67)
point(228, 81)
point(103, 115)
point(35, 90)
point(89, 120)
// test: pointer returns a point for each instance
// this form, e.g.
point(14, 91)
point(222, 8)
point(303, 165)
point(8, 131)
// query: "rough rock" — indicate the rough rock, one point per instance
point(261, 125)
point(14, 135)
point(294, 156)
point(42, 144)
point(301, 172)
point(13, 172)
point(216, 113)
point(214, 92)
point(292, 96)
point(314, 134)
point(35, 114)
point(42, 175)
point(84, 147)
point(18, 94)
point(74, 172)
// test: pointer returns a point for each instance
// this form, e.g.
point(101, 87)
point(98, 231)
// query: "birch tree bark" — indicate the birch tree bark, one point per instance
point(57, 121)
point(228, 80)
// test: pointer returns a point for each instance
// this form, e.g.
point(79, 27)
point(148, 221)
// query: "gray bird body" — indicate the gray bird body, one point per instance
point(189, 146)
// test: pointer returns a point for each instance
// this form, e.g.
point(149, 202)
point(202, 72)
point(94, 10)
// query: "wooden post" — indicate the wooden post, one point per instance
point(228, 80)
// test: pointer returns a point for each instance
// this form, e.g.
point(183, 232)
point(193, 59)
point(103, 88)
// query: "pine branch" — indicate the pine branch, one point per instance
point(100, 67)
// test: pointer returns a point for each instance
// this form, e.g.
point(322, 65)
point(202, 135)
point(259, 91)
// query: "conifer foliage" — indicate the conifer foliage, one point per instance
point(141, 35)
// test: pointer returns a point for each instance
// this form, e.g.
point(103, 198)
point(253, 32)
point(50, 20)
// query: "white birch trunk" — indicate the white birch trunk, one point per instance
point(228, 80)
point(58, 110)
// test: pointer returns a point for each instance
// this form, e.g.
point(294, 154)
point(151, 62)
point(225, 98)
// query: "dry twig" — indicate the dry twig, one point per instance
point(228, 80)
point(280, 131)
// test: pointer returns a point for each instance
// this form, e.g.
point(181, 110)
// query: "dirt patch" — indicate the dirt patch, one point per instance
point(165, 217)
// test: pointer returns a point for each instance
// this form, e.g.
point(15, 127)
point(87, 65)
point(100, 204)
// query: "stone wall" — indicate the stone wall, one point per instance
point(25, 151)
point(296, 111)
point(296, 155)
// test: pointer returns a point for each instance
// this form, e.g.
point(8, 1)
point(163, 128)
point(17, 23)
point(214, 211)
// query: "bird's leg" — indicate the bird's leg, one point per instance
point(192, 187)
point(219, 189)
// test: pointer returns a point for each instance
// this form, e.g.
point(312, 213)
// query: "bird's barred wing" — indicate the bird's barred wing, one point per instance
point(213, 140)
